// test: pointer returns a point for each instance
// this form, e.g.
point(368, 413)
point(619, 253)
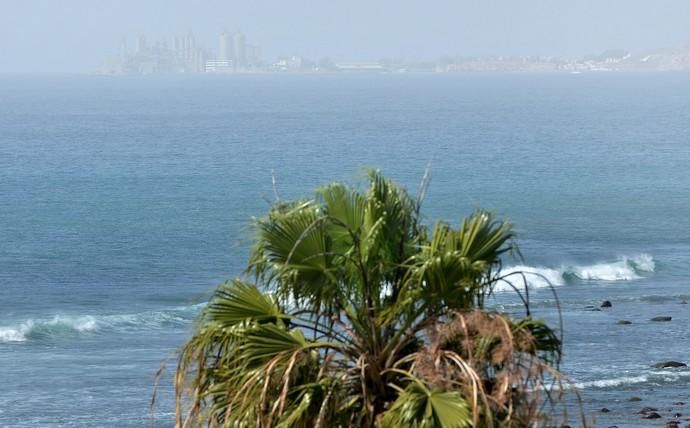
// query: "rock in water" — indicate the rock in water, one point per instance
point(661, 319)
point(624, 322)
point(651, 415)
point(605, 410)
point(606, 304)
point(669, 365)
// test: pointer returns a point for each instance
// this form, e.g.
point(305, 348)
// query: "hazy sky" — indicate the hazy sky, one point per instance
point(77, 35)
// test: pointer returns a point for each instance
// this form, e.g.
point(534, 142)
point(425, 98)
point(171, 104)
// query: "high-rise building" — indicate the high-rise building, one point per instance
point(253, 55)
point(189, 47)
point(199, 61)
point(141, 45)
point(240, 50)
point(225, 47)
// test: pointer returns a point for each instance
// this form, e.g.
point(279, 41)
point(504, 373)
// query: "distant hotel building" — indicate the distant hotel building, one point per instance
point(219, 66)
point(234, 55)
point(188, 55)
point(240, 50)
point(225, 51)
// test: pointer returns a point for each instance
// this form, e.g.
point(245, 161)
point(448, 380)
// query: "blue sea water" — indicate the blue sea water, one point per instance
point(124, 201)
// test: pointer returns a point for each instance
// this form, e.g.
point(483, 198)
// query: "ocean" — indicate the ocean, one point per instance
point(125, 200)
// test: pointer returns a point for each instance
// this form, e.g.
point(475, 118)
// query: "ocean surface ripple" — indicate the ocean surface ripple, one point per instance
point(124, 201)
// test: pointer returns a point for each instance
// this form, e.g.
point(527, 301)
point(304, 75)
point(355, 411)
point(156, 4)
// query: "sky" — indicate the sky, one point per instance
point(79, 35)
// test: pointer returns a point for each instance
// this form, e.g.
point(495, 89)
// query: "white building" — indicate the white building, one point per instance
point(225, 47)
point(219, 66)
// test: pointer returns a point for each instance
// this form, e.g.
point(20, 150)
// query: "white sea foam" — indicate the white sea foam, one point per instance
point(626, 268)
point(65, 326)
point(653, 377)
point(10, 334)
point(608, 383)
point(642, 262)
point(536, 277)
point(58, 325)
point(618, 271)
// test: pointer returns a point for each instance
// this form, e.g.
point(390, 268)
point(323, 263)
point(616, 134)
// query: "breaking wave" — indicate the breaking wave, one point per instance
point(609, 383)
point(624, 269)
point(655, 378)
point(64, 326)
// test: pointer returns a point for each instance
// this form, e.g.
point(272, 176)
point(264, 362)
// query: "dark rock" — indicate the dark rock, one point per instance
point(624, 322)
point(606, 304)
point(661, 319)
point(683, 302)
point(647, 410)
point(669, 365)
point(679, 403)
point(634, 399)
point(605, 410)
point(651, 415)
point(594, 310)
point(677, 415)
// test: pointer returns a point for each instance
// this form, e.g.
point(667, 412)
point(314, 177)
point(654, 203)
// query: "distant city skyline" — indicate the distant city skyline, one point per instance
point(76, 35)
point(182, 53)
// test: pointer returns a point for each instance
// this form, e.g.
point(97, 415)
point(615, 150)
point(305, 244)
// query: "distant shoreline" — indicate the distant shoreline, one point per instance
point(339, 73)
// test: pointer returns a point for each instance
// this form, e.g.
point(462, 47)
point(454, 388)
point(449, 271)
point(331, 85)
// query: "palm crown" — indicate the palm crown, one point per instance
point(353, 313)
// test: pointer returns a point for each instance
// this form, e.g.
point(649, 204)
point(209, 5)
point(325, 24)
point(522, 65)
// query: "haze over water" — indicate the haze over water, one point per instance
point(78, 35)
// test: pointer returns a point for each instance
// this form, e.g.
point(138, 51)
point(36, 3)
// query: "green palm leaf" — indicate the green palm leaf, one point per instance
point(268, 340)
point(238, 302)
point(419, 407)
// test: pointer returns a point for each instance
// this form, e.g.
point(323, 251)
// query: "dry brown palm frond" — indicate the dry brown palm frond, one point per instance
point(496, 361)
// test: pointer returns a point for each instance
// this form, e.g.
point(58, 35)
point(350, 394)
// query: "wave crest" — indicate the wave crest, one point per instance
point(536, 277)
point(58, 326)
point(61, 326)
point(654, 378)
point(626, 268)
point(610, 383)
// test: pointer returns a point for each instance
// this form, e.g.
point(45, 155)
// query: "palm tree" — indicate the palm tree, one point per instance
point(353, 313)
